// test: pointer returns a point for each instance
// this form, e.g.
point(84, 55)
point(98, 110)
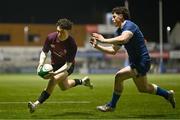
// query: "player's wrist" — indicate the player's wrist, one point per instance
point(96, 45)
point(39, 67)
point(104, 40)
point(40, 64)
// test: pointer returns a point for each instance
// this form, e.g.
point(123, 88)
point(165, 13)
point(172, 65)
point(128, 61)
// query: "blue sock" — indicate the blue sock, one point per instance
point(162, 92)
point(114, 100)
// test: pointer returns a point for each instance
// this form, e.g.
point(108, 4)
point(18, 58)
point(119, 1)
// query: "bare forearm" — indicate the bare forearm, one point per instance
point(42, 58)
point(115, 40)
point(65, 67)
point(121, 39)
point(108, 50)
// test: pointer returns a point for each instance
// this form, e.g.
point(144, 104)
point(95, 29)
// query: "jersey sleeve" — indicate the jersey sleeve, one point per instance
point(130, 27)
point(46, 46)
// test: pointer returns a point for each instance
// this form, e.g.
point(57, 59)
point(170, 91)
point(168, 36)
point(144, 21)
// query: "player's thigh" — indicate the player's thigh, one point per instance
point(60, 77)
point(124, 73)
point(62, 80)
point(63, 84)
point(141, 82)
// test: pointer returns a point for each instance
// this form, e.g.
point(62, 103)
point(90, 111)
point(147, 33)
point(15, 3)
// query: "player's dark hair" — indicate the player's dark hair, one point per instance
point(64, 24)
point(122, 10)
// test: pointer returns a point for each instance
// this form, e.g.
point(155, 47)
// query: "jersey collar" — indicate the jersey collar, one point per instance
point(122, 25)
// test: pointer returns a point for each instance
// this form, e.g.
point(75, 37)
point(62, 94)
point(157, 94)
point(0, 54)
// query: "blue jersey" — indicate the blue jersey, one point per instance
point(137, 51)
point(135, 47)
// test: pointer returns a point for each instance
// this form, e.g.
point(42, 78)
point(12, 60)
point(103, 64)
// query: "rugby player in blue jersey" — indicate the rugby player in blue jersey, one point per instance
point(63, 50)
point(129, 35)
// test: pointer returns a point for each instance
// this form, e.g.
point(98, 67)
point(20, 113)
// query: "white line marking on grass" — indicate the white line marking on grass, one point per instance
point(53, 102)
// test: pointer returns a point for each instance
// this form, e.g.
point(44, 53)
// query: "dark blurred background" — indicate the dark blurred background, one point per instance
point(144, 12)
point(24, 25)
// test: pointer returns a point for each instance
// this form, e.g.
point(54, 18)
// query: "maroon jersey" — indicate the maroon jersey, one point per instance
point(61, 51)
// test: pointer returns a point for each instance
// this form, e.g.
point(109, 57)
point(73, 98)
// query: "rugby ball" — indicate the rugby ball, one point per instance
point(44, 71)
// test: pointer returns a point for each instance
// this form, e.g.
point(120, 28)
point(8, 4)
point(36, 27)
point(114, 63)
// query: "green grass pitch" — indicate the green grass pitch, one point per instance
point(80, 102)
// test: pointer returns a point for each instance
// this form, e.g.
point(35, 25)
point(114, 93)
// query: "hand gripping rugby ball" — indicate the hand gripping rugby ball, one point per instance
point(44, 71)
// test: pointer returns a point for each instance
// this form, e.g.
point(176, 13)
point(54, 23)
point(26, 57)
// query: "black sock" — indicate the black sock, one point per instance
point(78, 82)
point(44, 95)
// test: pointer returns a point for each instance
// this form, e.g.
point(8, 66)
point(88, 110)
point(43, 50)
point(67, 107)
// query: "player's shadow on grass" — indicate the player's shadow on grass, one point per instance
point(160, 116)
point(157, 116)
point(151, 116)
point(72, 114)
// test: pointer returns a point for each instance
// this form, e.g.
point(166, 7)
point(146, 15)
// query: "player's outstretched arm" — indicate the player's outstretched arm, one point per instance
point(65, 67)
point(121, 39)
point(106, 49)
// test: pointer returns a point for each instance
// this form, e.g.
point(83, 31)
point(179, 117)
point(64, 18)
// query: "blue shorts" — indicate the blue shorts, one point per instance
point(70, 70)
point(142, 67)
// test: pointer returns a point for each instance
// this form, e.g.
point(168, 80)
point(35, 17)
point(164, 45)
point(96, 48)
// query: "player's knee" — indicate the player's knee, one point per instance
point(118, 91)
point(117, 77)
point(63, 88)
point(142, 90)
